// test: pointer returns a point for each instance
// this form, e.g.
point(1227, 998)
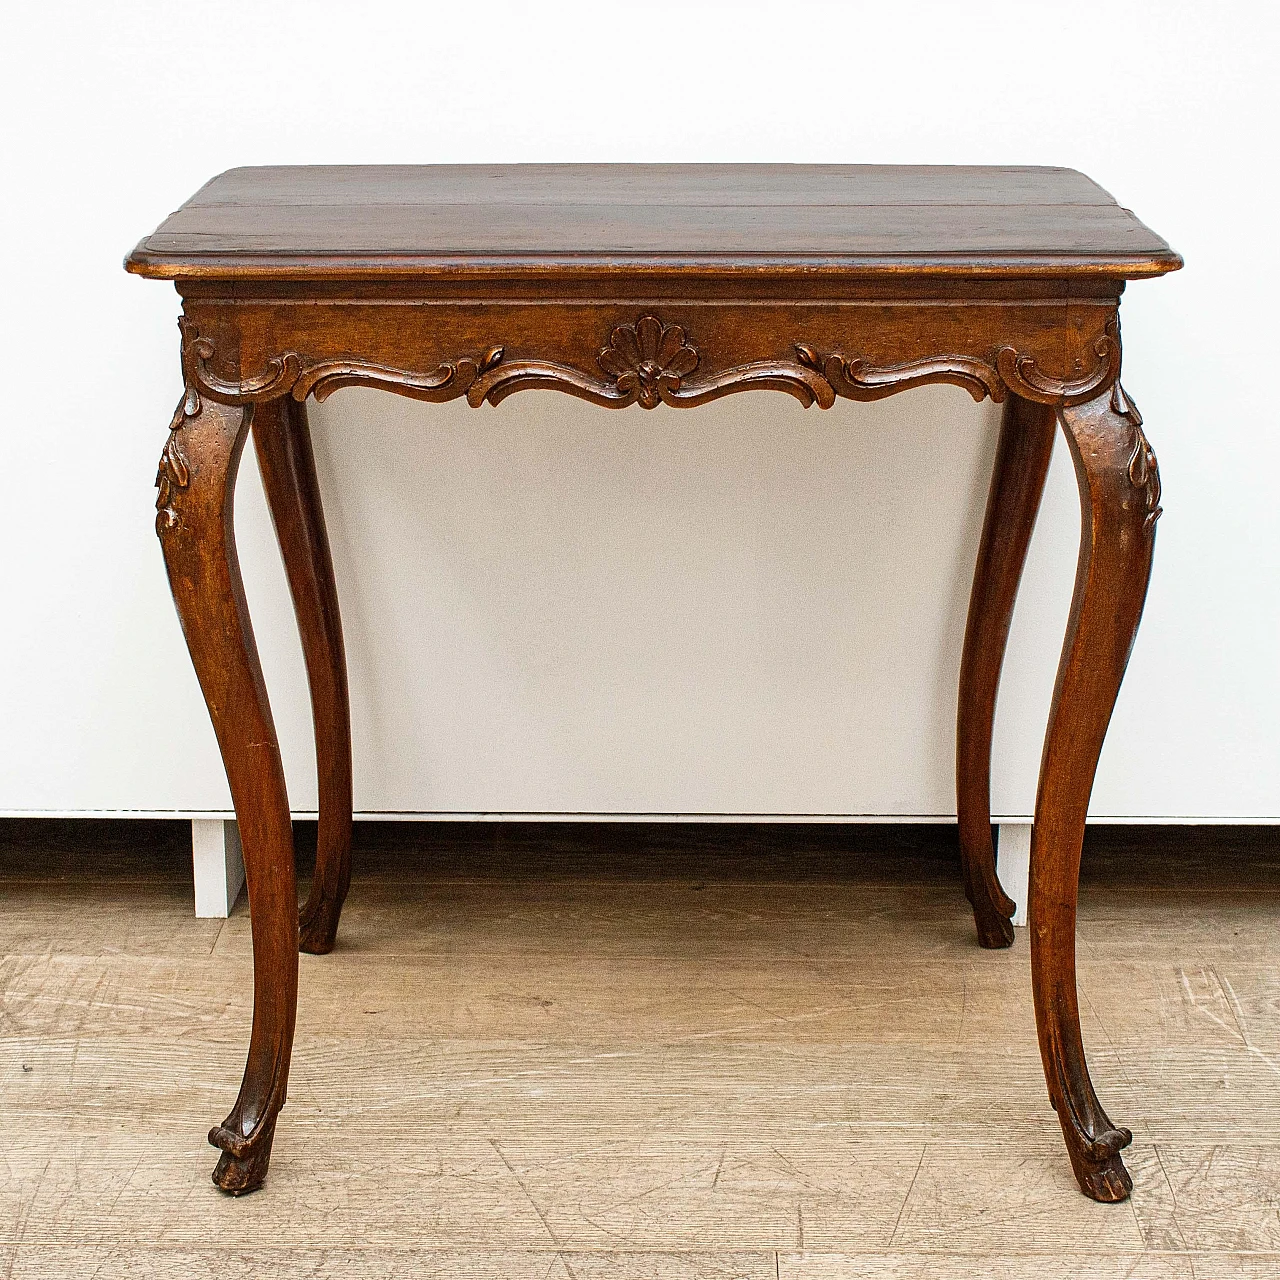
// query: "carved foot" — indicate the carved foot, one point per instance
point(992, 913)
point(196, 524)
point(1120, 492)
point(318, 925)
point(242, 1167)
point(1097, 1164)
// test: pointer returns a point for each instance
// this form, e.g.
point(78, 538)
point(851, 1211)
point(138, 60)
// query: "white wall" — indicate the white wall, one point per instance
point(551, 608)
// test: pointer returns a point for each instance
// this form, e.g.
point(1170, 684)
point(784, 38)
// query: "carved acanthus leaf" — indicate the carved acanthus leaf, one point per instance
point(174, 472)
point(1144, 473)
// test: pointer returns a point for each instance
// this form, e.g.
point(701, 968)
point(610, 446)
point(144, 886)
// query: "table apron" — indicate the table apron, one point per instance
point(681, 352)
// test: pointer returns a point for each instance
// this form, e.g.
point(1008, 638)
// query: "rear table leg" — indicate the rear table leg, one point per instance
point(287, 464)
point(1017, 483)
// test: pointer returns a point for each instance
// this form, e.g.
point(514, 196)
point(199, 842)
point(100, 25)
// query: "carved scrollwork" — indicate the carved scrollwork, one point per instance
point(1144, 473)
point(650, 363)
point(174, 472)
point(857, 380)
point(1022, 375)
point(197, 361)
point(445, 382)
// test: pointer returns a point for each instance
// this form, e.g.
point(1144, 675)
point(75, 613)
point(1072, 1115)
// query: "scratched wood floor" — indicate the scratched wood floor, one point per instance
point(638, 1053)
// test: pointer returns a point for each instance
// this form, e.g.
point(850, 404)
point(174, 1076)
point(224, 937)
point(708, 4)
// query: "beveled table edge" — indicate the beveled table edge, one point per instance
point(563, 267)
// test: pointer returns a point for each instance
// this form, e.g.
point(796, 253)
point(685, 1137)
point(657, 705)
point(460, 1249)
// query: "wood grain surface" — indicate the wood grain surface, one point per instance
point(659, 1053)
point(444, 283)
point(954, 220)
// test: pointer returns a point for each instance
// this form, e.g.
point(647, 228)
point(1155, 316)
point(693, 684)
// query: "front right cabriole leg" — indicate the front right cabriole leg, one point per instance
point(1120, 502)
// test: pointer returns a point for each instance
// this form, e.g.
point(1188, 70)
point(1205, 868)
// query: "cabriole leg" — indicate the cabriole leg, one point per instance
point(1017, 483)
point(195, 524)
point(287, 464)
point(1119, 499)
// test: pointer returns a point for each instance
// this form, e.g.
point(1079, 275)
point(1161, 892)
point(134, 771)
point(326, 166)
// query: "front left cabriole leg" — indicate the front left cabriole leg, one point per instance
point(195, 523)
point(1120, 502)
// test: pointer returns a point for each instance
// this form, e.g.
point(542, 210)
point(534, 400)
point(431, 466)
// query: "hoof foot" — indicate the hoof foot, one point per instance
point(318, 924)
point(1108, 1183)
point(242, 1167)
point(1100, 1171)
point(316, 936)
point(994, 930)
point(992, 909)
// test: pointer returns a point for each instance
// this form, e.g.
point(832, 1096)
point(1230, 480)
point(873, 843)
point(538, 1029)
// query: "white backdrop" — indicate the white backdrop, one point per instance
point(554, 609)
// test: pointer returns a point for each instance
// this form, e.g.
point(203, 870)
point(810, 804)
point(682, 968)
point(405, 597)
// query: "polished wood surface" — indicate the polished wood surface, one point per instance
point(287, 466)
point(1017, 482)
point(869, 218)
point(204, 575)
point(638, 1053)
point(1119, 504)
point(655, 286)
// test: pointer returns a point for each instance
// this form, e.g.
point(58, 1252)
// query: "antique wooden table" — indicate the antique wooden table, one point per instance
point(654, 285)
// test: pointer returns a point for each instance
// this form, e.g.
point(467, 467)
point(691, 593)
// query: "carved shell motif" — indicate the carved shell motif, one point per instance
point(648, 358)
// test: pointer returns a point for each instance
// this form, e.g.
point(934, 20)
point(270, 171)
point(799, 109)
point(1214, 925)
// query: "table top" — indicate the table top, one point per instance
point(324, 222)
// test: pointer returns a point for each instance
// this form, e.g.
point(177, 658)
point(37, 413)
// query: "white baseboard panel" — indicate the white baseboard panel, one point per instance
point(218, 864)
point(1013, 865)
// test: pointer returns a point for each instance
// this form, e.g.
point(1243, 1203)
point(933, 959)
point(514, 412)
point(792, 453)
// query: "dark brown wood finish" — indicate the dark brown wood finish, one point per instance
point(287, 465)
point(1119, 506)
point(481, 219)
point(196, 525)
point(655, 285)
point(1017, 483)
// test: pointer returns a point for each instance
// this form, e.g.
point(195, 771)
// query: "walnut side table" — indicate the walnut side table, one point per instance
point(654, 285)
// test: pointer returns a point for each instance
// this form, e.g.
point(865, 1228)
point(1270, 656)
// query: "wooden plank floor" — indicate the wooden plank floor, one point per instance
point(658, 1053)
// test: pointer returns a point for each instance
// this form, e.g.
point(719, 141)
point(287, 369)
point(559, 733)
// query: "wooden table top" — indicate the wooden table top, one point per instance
point(325, 222)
